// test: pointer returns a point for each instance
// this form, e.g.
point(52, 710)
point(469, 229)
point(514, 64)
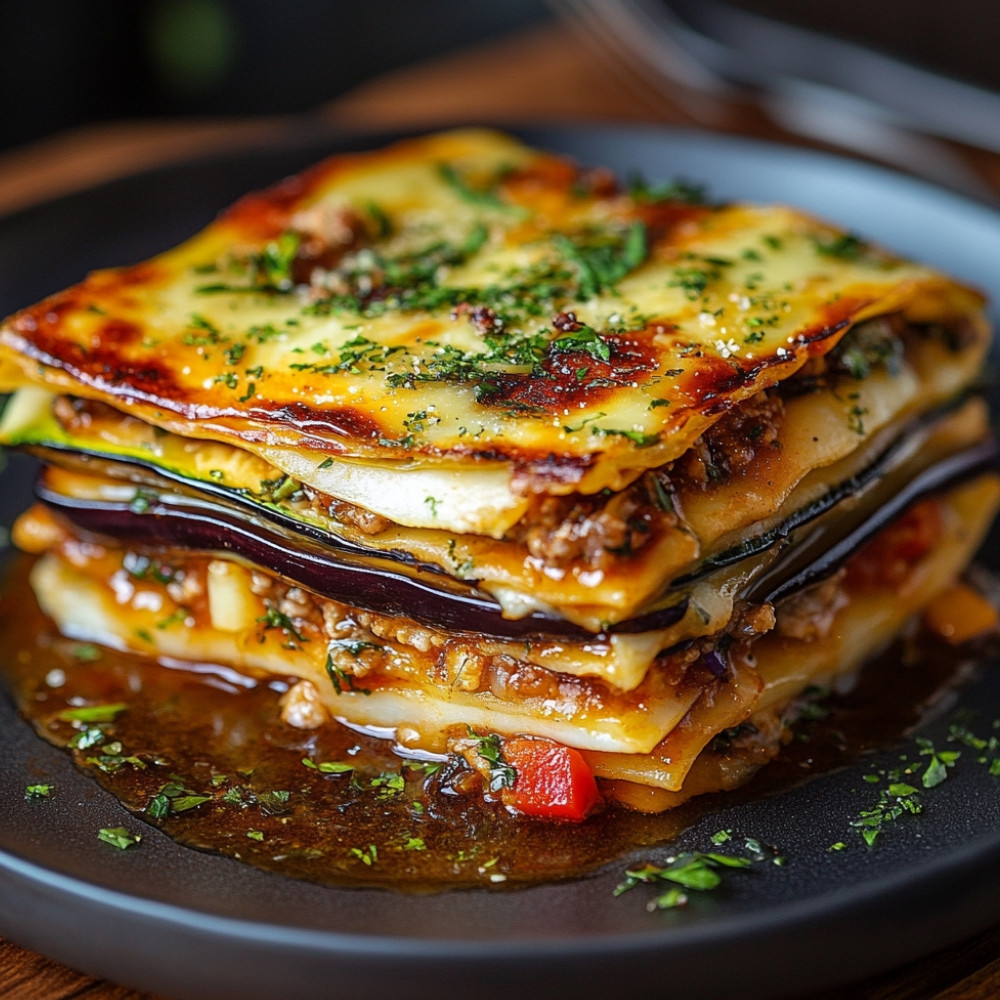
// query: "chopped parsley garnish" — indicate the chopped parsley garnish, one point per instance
point(695, 870)
point(234, 354)
point(353, 646)
point(940, 761)
point(92, 736)
point(274, 801)
point(866, 347)
point(279, 620)
point(185, 802)
point(367, 855)
point(143, 568)
point(601, 264)
point(585, 341)
point(570, 429)
point(638, 438)
point(178, 617)
point(388, 784)
point(663, 497)
point(327, 766)
point(274, 265)
point(490, 748)
point(677, 190)
point(383, 225)
point(93, 713)
point(277, 490)
point(42, 791)
point(694, 279)
point(486, 197)
point(340, 679)
point(141, 502)
point(173, 798)
point(269, 271)
point(209, 334)
point(843, 246)
point(355, 355)
point(897, 799)
point(118, 836)
point(987, 749)
point(855, 418)
point(900, 796)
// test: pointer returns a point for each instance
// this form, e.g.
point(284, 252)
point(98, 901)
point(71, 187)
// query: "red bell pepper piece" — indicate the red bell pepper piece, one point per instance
point(553, 781)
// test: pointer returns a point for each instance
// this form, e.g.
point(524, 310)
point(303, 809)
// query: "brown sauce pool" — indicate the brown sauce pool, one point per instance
point(202, 753)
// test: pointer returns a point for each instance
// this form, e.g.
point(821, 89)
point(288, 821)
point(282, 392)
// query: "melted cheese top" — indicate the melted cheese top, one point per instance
point(437, 329)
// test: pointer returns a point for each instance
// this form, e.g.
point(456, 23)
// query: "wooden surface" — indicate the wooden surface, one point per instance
point(546, 74)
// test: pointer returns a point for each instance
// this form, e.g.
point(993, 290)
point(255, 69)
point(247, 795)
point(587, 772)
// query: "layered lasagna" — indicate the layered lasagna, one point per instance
point(587, 481)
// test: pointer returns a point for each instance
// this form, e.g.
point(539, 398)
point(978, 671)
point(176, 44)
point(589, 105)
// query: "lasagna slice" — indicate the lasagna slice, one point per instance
point(476, 444)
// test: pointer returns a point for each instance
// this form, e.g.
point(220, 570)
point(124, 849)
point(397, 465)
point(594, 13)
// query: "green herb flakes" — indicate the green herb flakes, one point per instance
point(159, 806)
point(987, 749)
point(490, 749)
point(695, 870)
point(141, 502)
point(899, 795)
point(678, 190)
point(93, 713)
point(843, 246)
point(366, 855)
point(693, 280)
point(327, 767)
point(275, 619)
point(86, 738)
point(940, 761)
point(274, 802)
point(118, 836)
point(388, 784)
point(341, 680)
point(600, 265)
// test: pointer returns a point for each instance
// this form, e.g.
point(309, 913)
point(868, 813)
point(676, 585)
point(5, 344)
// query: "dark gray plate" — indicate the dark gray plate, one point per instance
point(192, 925)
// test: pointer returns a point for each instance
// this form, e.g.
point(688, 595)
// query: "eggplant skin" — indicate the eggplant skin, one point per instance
point(377, 584)
point(373, 583)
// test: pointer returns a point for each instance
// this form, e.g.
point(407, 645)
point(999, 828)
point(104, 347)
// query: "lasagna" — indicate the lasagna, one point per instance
point(589, 482)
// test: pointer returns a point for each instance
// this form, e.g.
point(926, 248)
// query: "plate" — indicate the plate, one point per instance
point(190, 925)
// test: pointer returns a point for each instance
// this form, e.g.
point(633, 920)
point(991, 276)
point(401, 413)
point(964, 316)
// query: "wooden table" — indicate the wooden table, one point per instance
point(546, 74)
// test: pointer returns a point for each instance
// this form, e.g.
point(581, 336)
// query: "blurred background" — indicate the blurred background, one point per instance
point(95, 88)
point(70, 62)
point(65, 63)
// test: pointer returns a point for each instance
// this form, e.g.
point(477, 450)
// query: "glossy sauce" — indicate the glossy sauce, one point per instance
point(202, 753)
